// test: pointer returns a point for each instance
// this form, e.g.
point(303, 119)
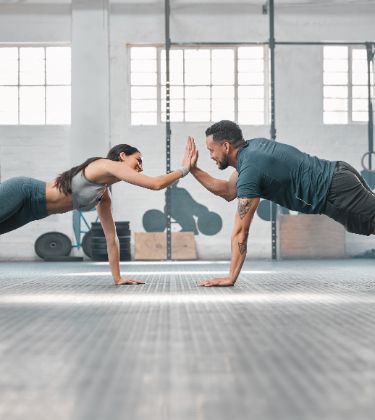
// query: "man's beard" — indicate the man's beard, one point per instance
point(224, 163)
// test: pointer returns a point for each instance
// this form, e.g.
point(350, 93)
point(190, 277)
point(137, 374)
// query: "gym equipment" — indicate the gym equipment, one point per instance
point(97, 244)
point(53, 245)
point(86, 243)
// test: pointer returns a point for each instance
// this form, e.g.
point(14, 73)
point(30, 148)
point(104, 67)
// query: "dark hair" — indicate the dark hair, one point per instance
point(226, 130)
point(64, 181)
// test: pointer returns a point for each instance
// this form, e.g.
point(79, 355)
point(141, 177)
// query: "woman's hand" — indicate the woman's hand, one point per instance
point(225, 282)
point(188, 156)
point(194, 153)
point(123, 281)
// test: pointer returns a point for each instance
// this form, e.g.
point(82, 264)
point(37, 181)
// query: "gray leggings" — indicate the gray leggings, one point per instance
point(22, 200)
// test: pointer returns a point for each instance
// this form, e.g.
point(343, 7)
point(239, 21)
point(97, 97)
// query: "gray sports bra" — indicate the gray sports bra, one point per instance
point(86, 194)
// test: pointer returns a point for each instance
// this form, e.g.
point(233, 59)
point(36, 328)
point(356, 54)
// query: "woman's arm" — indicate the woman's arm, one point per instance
point(104, 211)
point(121, 171)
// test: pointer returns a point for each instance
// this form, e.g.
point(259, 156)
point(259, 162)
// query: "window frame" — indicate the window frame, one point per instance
point(159, 86)
point(43, 45)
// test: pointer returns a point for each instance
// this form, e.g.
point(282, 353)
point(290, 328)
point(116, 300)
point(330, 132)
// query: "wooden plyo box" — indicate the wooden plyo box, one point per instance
point(310, 236)
point(153, 246)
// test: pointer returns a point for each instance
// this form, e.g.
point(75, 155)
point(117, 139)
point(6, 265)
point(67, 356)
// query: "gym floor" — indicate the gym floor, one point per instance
point(292, 340)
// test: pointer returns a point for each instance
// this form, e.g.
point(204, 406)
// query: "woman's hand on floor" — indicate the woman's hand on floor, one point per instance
point(124, 281)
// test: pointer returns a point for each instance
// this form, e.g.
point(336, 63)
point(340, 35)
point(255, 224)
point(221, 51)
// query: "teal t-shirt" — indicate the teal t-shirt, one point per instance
point(283, 174)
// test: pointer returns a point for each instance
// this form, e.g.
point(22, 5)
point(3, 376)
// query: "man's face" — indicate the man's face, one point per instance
point(218, 152)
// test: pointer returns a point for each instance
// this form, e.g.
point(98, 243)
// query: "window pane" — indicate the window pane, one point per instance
point(254, 118)
point(144, 92)
point(143, 79)
point(197, 116)
point(359, 66)
point(336, 66)
point(58, 65)
point(32, 105)
point(360, 116)
point(335, 91)
point(143, 105)
point(175, 92)
point(222, 115)
point(223, 105)
point(8, 105)
point(360, 92)
point(174, 117)
point(143, 118)
point(222, 72)
point(143, 66)
point(335, 78)
point(359, 54)
point(250, 78)
point(32, 66)
point(335, 52)
point(250, 105)
point(176, 67)
point(222, 67)
point(335, 117)
point(250, 91)
point(250, 52)
point(176, 105)
point(360, 105)
point(359, 78)
point(197, 105)
point(8, 66)
point(250, 66)
point(58, 105)
point(197, 67)
point(335, 105)
point(197, 92)
point(223, 92)
point(143, 53)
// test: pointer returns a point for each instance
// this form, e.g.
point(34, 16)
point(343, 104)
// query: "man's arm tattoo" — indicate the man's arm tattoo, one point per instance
point(242, 247)
point(244, 206)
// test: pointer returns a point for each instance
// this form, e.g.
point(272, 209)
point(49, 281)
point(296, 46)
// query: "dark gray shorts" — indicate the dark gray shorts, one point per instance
point(350, 201)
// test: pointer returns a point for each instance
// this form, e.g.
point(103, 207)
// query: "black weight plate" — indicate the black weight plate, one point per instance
point(87, 243)
point(53, 244)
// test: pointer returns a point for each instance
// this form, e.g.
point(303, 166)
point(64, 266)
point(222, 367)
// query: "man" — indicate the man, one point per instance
point(286, 176)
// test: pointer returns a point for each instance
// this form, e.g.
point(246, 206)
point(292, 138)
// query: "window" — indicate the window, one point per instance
point(206, 84)
point(35, 85)
point(345, 95)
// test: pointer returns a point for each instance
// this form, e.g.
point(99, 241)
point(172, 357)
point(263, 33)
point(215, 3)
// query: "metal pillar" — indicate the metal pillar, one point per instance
point(271, 46)
point(168, 128)
point(370, 57)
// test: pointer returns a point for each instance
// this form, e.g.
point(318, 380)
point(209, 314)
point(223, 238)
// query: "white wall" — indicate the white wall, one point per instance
point(298, 104)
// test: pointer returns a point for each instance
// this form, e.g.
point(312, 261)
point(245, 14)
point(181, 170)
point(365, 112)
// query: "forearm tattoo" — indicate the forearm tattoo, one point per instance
point(244, 206)
point(242, 247)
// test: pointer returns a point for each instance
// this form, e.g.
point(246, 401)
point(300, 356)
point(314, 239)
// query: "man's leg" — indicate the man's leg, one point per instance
point(350, 201)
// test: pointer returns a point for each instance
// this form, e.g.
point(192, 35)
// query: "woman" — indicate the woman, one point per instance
point(23, 200)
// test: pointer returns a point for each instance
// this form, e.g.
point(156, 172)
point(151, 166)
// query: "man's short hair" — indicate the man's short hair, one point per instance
point(226, 130)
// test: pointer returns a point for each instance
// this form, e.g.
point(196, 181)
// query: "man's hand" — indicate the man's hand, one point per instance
point(188, 155)
point(194, 150)
point(123, 281)
point(226, 282)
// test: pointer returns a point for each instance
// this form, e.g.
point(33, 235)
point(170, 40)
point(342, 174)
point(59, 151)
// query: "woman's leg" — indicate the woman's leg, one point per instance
point(15, 210)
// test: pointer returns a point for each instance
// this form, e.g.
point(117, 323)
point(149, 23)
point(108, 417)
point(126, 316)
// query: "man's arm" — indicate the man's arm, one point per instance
point(244, 216)
point(222, 188)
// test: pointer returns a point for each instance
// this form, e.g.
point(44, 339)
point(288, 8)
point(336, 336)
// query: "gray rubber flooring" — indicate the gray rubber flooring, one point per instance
point(292, 340)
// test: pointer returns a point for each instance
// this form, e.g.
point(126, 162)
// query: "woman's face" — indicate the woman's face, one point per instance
point(134, 161)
